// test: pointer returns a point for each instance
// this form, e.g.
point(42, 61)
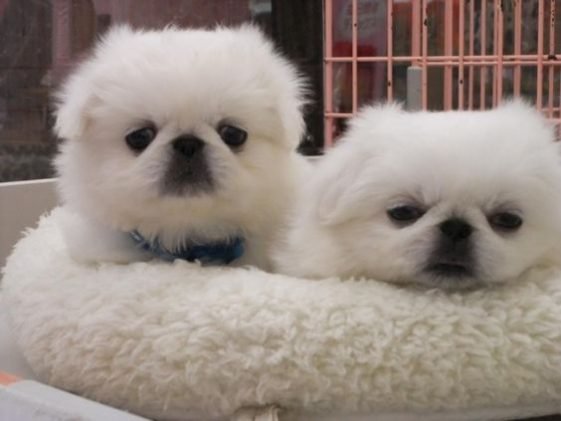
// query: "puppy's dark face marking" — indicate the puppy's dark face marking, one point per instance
point(188, 171)
point(453, 257)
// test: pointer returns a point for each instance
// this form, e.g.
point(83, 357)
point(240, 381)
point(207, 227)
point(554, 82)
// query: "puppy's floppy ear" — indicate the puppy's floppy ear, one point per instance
point(535, 125)
point(342, 182)
point(338, 185)
point(286, 84)
point(292, 120)
point(76, 98)
point(74, 102)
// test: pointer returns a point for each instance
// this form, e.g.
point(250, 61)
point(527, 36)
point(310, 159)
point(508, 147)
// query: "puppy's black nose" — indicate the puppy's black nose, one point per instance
point(455, 229)
point(188, 145)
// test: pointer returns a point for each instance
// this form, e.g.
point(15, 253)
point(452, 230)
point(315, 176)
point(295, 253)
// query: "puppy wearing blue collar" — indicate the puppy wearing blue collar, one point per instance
point(179, 144)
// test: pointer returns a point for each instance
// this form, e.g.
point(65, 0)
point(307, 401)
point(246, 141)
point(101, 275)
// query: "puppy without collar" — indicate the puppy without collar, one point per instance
point(445, 199)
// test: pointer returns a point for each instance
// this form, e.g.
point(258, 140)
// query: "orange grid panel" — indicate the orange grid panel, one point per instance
point(472, 54)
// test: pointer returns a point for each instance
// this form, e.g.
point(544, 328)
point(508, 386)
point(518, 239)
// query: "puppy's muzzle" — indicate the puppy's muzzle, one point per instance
point(453, 255)
point(188, 171)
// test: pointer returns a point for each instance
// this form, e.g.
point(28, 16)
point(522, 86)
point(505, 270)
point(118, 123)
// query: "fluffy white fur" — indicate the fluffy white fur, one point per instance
point(460, 164)
point(177, 342)
point(183, 82)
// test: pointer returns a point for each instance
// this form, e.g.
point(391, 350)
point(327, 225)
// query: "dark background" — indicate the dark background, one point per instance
point(40, 40)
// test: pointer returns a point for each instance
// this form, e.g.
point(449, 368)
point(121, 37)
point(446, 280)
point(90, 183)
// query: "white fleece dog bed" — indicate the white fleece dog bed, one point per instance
point(176, 341)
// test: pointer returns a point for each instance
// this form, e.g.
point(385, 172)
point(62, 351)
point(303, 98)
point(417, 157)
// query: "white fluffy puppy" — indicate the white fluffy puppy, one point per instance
point(446, 199)
point(179, 144)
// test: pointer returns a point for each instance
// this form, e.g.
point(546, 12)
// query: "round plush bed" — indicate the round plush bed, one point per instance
point(176, 341)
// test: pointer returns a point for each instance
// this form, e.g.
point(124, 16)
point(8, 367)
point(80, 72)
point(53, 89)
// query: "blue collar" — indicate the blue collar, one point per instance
point(216, 253)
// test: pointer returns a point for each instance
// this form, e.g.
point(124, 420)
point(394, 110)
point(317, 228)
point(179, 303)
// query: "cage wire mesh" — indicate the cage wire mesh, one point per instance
point(456, 54)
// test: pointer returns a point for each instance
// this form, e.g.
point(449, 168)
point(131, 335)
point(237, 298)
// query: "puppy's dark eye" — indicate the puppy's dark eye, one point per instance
point(139, 140)
point(406, 214)
point(232, 136)
point(505, 221)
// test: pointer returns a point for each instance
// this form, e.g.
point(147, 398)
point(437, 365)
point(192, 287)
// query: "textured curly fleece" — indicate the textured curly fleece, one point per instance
point(178, 341)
